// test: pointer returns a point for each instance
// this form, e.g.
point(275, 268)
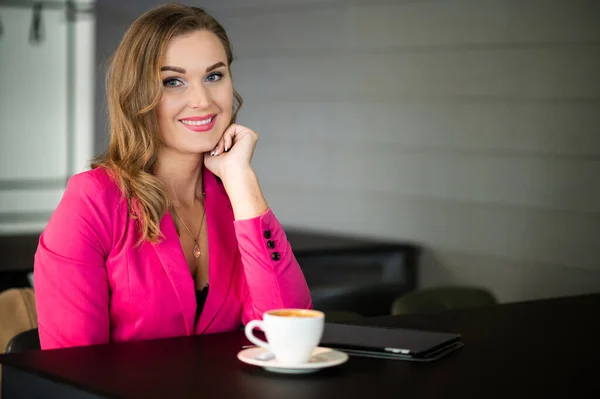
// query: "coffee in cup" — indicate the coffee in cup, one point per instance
point(292, 334)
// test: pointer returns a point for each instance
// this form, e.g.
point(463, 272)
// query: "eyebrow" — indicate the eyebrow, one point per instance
point(174, 69)
point(182, 71)
point(215, 66)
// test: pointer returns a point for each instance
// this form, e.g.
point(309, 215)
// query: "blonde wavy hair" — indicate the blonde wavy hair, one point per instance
point(134, 88)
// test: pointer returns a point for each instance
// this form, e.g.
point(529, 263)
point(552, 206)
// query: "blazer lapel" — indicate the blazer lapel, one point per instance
point(222, 248)
point(171, 256)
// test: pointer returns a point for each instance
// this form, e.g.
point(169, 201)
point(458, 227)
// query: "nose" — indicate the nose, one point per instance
point(198, 97)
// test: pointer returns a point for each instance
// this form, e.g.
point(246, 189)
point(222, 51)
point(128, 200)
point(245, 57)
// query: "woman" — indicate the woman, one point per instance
point(169, 233)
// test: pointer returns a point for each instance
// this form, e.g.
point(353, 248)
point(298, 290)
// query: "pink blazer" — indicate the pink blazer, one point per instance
point(94, 285)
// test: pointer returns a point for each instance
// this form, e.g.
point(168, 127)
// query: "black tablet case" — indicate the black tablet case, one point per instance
point(390, 343)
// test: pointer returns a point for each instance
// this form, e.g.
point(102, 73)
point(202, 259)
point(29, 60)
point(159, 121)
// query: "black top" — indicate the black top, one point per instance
point(200, 300)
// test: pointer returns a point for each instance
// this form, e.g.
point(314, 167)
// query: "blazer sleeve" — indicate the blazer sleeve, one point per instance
point(70, 278)
point(274, 279)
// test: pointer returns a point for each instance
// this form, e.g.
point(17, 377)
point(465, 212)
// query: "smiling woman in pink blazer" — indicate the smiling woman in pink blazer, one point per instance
point(169, 234)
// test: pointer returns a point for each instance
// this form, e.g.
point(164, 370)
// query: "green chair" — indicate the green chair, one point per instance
point(439, 299)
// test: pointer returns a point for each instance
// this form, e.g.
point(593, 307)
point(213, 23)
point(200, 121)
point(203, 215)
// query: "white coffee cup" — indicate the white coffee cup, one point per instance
point(292, 334)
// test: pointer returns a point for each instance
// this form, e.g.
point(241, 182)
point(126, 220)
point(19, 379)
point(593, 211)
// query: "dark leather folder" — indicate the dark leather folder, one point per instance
point(390, 343)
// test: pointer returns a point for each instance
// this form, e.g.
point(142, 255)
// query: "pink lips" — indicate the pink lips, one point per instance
point(200, 128)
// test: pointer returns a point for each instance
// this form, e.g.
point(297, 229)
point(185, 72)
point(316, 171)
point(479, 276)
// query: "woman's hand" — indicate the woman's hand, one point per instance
point(230, 160)
point(233, 153)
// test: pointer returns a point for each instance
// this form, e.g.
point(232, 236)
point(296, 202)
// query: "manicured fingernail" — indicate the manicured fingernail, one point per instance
point(226, 149)
point(213, 152)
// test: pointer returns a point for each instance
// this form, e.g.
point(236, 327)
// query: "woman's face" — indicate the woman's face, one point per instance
point(197, 99)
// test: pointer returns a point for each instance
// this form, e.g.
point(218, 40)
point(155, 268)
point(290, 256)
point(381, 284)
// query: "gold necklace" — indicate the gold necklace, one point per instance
point(196, 249)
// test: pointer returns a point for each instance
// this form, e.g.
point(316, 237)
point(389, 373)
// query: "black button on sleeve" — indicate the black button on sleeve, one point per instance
point(267, 234)
point(270, 244)
point(275, 256)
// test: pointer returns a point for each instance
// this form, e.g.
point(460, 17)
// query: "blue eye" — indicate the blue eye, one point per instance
point(214, 77)
point(172, 82)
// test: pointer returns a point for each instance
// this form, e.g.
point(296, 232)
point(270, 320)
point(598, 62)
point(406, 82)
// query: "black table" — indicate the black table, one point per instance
point(545, 348)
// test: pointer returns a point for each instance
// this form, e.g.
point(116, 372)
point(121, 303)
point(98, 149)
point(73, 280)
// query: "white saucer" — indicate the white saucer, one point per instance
point(321, 358)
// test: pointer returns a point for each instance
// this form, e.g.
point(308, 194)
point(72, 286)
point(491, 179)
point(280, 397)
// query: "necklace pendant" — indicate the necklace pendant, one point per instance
point(197, 252)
